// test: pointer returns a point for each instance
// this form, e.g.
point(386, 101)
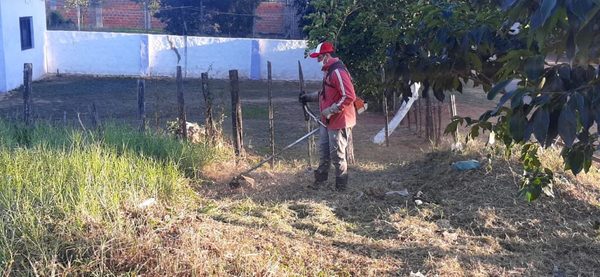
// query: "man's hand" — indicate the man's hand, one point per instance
point(306, 97)
point(330, 110)
point(303, 97)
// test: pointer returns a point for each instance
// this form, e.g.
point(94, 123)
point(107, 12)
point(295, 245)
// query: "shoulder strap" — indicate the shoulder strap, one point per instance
point(334, 66)
point(337, 65)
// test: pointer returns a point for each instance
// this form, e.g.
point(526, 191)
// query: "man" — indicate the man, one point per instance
point(337, 112)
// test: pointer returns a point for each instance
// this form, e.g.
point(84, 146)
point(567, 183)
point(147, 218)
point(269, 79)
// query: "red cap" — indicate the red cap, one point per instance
point(322, 48)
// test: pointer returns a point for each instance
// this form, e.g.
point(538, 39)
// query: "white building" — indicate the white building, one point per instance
point(22, 40)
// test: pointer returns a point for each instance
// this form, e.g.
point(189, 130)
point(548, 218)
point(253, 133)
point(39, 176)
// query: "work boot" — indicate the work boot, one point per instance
point(341, 183)
point(320, 179)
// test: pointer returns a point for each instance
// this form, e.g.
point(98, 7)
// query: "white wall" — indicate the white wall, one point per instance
point(284, 56)
point(218, 54)
point(151, 55)
point(94, 53)
point(11, 64)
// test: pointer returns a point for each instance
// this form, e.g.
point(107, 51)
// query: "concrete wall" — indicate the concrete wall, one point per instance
point(153, 55)
point(94, 53)
point(284, 56)
point(13, 58)
point(203, 53)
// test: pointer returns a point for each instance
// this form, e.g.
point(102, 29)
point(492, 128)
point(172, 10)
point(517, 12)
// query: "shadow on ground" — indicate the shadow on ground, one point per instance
point(471, 222)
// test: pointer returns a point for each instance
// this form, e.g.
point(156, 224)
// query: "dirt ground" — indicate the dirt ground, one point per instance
point(469, 223)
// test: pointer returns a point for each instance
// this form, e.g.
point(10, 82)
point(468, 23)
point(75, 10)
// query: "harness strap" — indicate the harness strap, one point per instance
point(337, 65)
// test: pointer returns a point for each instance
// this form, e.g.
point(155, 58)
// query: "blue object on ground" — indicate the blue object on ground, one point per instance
point(466, 165)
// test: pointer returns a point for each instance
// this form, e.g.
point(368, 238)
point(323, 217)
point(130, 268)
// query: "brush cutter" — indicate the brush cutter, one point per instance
point(235, 182)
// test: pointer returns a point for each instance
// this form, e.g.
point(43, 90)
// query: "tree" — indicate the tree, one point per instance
point(362, 32)
point(444, 43)
point(208, 17)
point(558, 94)
point(417, 41)
point(303, 9)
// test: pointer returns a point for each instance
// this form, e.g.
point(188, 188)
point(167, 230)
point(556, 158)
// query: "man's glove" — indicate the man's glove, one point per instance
point(303, 97)
point(330, 111)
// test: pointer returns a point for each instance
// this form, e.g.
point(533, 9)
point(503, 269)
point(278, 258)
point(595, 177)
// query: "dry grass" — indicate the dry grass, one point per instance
point(472, 224)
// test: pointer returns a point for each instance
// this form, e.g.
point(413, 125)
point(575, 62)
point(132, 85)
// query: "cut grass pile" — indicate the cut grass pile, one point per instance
point(64, 192)
point(471, 223)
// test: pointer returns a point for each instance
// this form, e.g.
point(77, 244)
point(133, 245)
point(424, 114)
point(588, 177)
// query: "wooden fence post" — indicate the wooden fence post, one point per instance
point(27, 80)
point(307, 120)
point(271, 113)
point(428, 117)
point(408, 119)
point(419, 118)
point(208, 99)
point(439, 129)
point(181, 105)
point(385, 108)
point(94, 116)
point(453, 113)
point(142, 103)
point(395, 101)
point(236, 113)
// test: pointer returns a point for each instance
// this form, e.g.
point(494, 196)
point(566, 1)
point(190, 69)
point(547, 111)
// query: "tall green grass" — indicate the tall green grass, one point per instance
point(57, 182)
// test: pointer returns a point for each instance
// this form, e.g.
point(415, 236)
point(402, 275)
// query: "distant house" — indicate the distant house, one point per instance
point(22, 39)
point(277, 19)
point(107, 14)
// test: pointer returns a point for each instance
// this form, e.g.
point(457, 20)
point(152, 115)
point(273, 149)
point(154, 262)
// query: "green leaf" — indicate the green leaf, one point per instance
point(564, 72)
point(517, 99)
point(587, 163)
point(542, 14)
point(474, 132)
point(579, 8)
point(583, 111)
point(541, 122)
point(474, 60)
point(518, 123)
point(534, 67)
point(506, 4)
point(502, 101)
point(571, 45)
point(567, 125)
point(452, 127)
point(531, 193)
point(497, 88)
point(575, 160)
point(591, 15)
